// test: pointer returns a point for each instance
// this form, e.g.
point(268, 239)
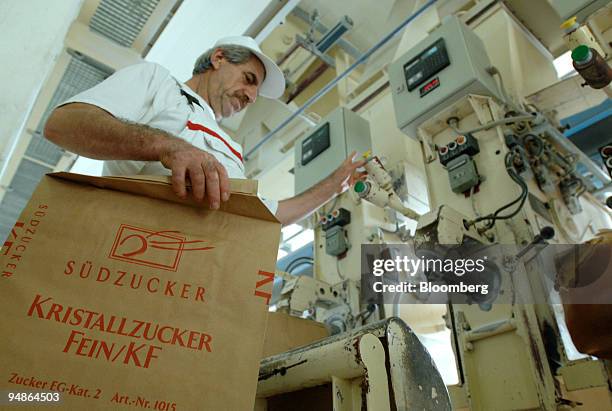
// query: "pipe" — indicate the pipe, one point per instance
point(332, 83)
point(570, 147)
point(489, 330)
point(603, 190)
point(500, 122)
point(414, 380)
point(307, 81)
point(288, 53)
point(345, 45)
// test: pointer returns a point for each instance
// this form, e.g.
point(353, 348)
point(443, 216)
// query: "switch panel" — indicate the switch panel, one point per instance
point(463, 144)
point(462, 174)
point(335, 241)
point(339, 217)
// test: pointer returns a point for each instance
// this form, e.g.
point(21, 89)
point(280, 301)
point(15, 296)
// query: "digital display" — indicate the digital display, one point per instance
point(430, 86)
point(427, 64)
point(430, 51)
point(315, 144)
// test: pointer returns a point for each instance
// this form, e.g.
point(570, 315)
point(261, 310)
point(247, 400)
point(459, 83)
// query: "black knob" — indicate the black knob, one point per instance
point(547, 233)
point(609, 202)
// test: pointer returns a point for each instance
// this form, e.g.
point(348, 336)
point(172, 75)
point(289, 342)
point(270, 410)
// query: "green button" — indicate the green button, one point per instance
point(580, 53)
point(359, 187)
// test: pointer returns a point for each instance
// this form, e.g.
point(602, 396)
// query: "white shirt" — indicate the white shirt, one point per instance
point(146, 93)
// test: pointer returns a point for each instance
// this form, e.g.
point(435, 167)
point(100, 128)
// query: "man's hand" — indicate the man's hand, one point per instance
point(294, 209)
point(89, 131)
point(346, 174)
point(208, 177)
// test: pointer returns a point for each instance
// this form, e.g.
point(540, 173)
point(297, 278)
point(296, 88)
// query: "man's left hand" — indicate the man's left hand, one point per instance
point(346, 174)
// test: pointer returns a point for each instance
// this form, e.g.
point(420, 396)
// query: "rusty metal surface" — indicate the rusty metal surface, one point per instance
point(415, 381)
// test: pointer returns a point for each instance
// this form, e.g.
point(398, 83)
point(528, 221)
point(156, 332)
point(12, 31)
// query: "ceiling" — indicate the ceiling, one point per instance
point(195, 27)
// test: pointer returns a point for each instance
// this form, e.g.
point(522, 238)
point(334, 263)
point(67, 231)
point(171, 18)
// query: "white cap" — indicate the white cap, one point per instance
point(273, 85)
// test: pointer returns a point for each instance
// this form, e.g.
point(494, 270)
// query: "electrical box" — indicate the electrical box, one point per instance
point(319, 153)
point(450, 63)
point(335, 241)
point(462, 174)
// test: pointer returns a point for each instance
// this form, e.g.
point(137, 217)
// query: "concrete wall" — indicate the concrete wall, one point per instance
point(32, 39)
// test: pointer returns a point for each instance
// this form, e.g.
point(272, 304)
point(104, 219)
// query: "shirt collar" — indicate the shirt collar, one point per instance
point(202, 102)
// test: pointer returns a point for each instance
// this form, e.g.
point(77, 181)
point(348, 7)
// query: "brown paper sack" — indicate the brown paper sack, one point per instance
point(119, 295)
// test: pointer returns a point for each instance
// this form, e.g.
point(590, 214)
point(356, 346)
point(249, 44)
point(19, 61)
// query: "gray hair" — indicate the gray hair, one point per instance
point(234, 54)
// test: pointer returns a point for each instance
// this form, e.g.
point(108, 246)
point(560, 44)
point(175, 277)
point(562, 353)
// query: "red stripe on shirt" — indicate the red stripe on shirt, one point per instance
point(200, 127)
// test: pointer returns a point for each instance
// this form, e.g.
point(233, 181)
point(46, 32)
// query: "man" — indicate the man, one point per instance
point(143, 121)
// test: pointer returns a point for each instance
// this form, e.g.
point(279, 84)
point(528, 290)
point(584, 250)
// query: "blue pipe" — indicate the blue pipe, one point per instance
point(332, 83)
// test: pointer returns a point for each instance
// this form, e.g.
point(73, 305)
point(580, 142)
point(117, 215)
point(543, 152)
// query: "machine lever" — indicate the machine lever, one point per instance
point(546, 233)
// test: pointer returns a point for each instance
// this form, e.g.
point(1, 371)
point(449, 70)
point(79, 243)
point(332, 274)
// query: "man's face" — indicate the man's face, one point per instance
point(233, 86)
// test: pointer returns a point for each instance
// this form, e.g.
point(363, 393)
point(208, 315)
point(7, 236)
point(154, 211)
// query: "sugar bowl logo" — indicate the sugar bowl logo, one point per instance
point(158, 249)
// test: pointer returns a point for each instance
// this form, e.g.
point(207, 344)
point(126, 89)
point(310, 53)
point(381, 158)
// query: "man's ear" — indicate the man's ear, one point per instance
point(216, 58)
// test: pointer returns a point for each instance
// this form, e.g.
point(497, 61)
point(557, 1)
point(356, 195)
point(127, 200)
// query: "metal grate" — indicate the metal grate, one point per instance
point(25, 181)
point(122, 20)
point(80, 75)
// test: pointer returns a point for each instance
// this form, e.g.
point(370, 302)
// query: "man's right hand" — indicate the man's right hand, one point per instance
point(89, 131)
point(208, 177)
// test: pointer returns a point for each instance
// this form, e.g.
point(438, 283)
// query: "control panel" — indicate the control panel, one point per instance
point(319, 153)
point(430, 62)
point(463, 144)
point(445, 66)
point(315, 144)
point(456, 156)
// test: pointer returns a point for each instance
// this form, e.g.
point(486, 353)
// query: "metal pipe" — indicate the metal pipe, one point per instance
point(311, 368)
point(570, 147)
point(288, 53)
point(502, 121)
point(322, 29)
point(307, 81)
point(489, 330)
point(332, 83)
point(413, 377)
point(606, 188)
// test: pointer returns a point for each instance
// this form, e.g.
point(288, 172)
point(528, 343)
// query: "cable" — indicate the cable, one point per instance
point(342, 278)
point(492, 218)
point(333, 206)
point(473, 200)
point(527, 138)
point(452, 123)
point(297, 262)
point(507, 100)
point(522, 197)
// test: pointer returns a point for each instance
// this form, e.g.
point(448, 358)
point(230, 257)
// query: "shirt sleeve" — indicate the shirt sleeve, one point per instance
point(128, 93)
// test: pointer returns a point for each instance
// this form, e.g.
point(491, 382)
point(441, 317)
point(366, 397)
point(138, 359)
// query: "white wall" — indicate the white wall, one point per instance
point(31, 39)
point(196, 26)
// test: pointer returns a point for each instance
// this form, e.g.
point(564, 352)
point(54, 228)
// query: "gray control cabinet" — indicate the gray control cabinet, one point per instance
point(319, 153)
point(450, 63)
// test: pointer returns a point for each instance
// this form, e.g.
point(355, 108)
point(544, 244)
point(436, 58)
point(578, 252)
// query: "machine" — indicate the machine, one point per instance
point(318, 154)
point(500, 177)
